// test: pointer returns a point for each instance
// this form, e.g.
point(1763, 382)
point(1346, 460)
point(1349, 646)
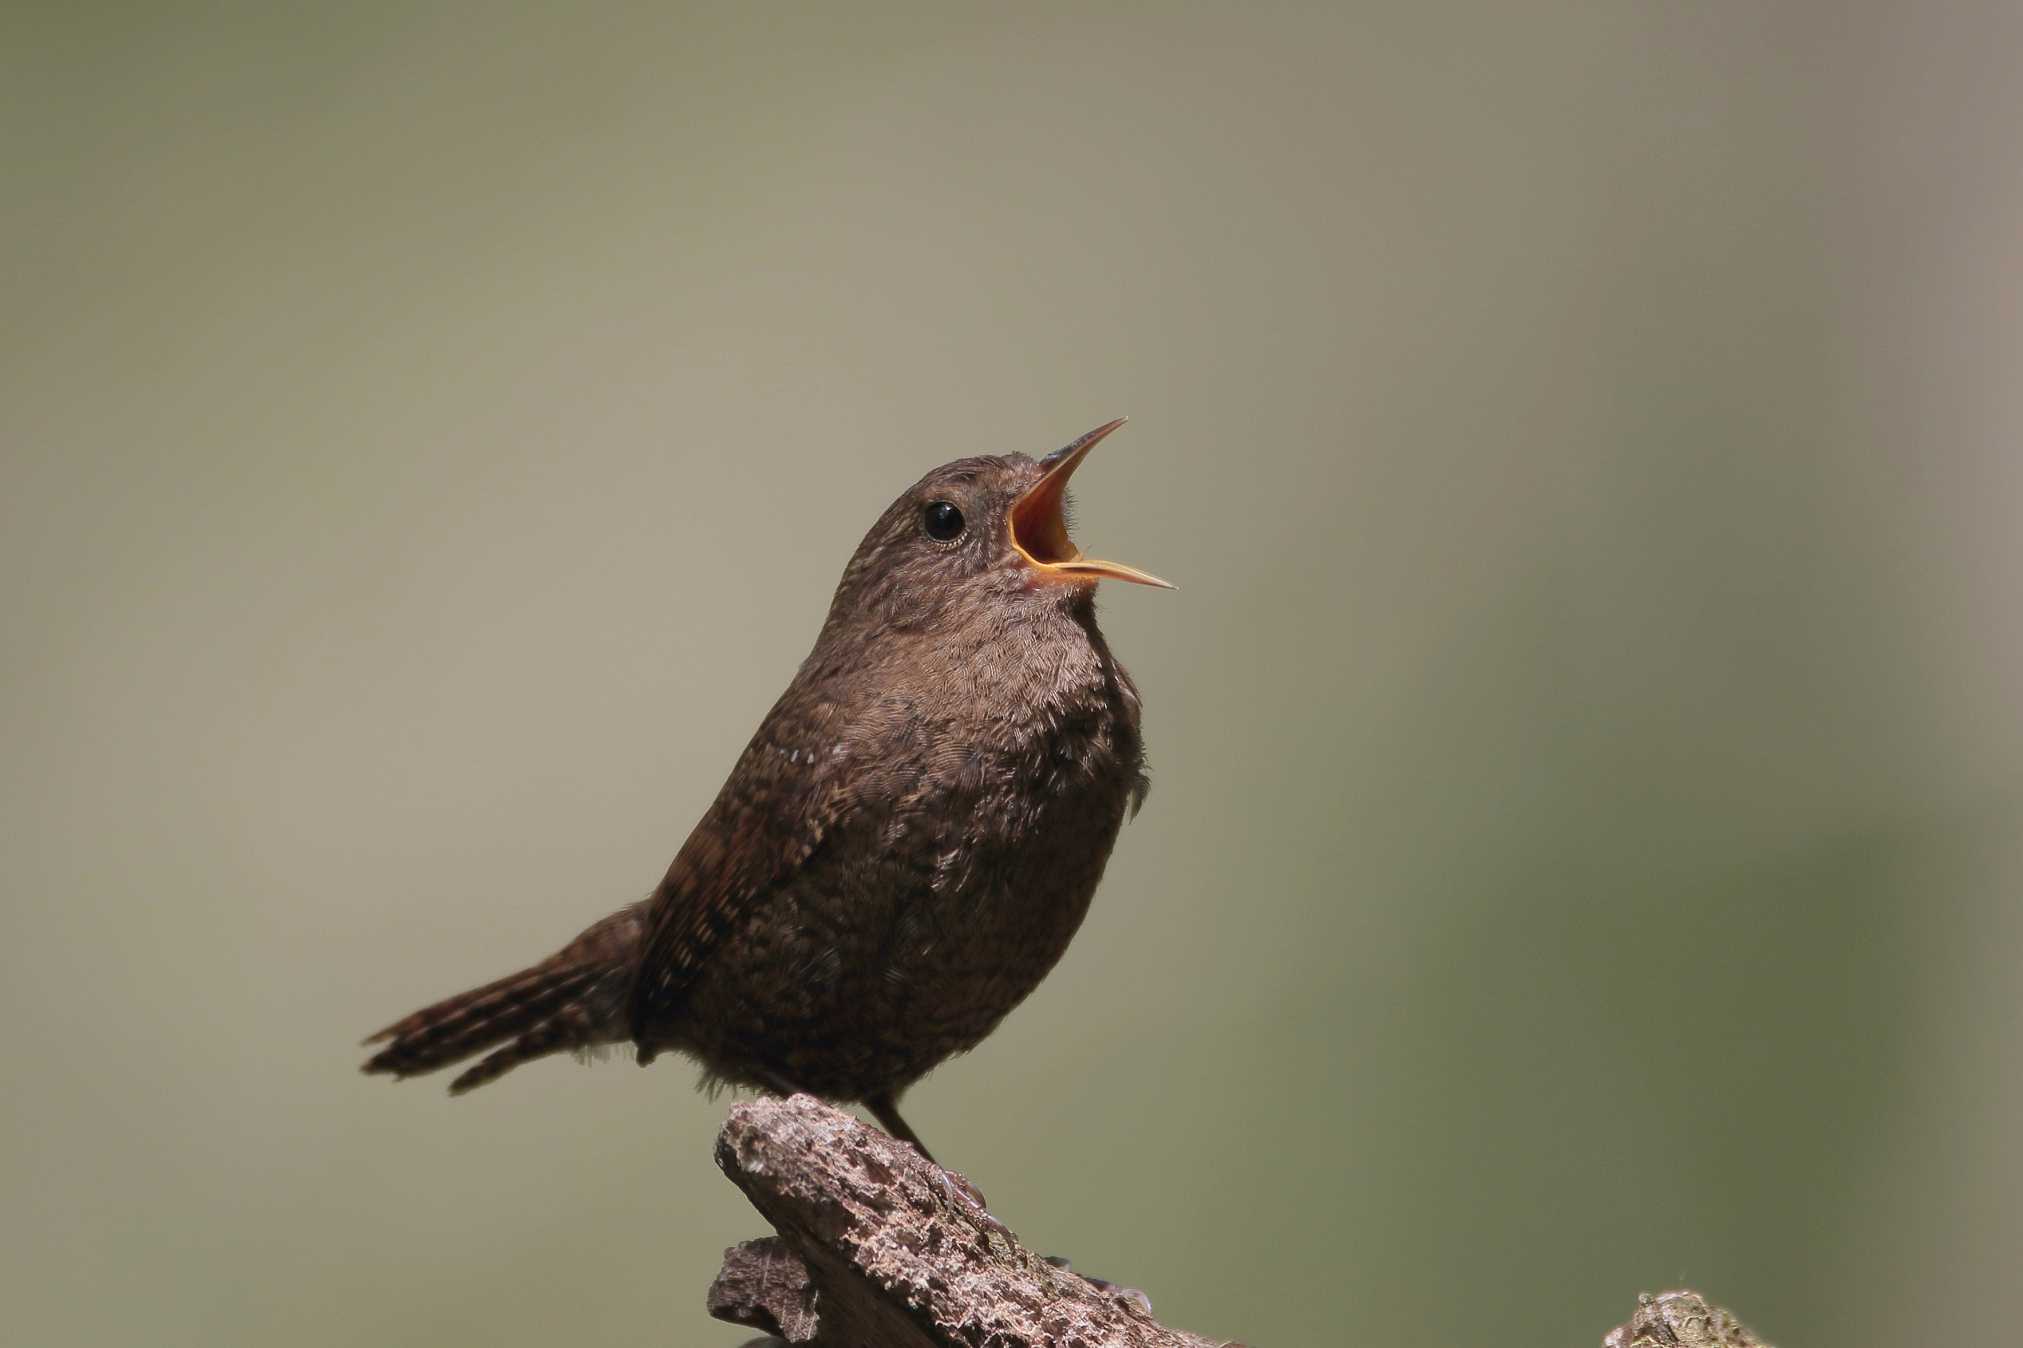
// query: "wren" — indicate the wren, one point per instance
point(904, 849)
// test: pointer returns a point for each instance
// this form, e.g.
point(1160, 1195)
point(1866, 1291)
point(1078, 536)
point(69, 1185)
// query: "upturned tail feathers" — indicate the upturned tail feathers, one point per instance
point(572, 1001)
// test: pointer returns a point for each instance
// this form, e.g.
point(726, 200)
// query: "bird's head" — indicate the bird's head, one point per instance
point(979, 531)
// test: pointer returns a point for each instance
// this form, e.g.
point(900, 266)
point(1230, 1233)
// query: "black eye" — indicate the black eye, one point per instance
point(944, 521)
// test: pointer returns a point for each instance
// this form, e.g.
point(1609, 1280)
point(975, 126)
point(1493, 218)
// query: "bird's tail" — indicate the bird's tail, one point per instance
point(572, 1001)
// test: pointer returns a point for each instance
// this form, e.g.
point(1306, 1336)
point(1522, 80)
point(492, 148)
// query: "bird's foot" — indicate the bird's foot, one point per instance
point(1104, 1285)
point(962, 1193)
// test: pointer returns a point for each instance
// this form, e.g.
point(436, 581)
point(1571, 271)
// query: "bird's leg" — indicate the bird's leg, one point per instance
point(885, 1108)
point(767, 1079)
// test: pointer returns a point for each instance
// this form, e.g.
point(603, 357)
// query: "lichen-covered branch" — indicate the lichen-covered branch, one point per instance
point(880, 1248)
point(1681, 1319)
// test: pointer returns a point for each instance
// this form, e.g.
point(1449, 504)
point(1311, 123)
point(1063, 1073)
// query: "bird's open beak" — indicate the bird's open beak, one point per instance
point(1040, 533)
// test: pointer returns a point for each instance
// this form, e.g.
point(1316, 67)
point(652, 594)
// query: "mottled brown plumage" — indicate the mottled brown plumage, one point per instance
point(903, 850)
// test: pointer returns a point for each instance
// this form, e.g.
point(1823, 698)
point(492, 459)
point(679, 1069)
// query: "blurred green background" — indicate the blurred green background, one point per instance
point(1584, 851)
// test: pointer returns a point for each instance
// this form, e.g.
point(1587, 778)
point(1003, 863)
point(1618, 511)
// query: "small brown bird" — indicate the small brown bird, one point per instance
point(903, 850)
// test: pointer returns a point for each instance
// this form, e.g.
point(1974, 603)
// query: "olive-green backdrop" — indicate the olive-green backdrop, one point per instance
point(1583, 854)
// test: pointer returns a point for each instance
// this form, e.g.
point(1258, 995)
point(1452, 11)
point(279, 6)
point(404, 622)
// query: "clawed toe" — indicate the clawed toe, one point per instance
point(1104, 1285)
point(962, 1193)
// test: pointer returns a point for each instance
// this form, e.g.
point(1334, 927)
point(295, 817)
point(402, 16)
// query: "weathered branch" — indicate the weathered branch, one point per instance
point(1680, 1319)
point(880, 1248)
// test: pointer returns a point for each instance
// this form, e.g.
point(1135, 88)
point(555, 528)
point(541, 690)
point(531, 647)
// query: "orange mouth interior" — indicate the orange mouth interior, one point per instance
point(1039, 528)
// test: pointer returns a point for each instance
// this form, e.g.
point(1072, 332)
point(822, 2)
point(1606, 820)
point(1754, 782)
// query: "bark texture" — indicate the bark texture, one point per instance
point(1681, 1319)
point(880, 1248)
